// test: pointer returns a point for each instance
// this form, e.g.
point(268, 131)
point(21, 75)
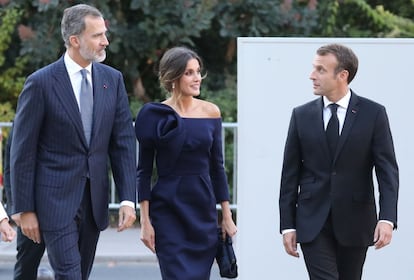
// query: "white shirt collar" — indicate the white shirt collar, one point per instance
point(72, 67)
point(343, 102)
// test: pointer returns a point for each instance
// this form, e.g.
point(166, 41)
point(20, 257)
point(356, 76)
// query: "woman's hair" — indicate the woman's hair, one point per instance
point(347, 60)
point(73, 20)
point(173, 64)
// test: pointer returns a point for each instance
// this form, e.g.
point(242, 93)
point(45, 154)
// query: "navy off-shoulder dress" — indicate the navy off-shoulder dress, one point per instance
point(190, 181)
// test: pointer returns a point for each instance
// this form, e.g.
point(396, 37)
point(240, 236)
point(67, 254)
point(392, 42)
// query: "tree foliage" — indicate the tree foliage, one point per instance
point(11, 67)
point(359, 18)
point(141, 30)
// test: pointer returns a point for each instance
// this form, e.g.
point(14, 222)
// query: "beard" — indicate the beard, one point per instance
point(92, 55)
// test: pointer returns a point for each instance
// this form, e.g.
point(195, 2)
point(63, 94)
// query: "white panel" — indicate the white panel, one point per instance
point(273, 77)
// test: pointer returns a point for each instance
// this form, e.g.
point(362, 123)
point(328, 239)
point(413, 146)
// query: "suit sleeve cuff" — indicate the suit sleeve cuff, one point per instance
point(128, 203)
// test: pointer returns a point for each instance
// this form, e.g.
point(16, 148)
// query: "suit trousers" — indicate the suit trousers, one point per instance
point(327, 259)
point(29, 255)
point(71, 250)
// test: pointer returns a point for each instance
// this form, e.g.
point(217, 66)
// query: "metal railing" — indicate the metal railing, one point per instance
point(229, 132)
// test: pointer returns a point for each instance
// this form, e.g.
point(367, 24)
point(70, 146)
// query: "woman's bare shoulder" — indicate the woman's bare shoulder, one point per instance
point(210, 109)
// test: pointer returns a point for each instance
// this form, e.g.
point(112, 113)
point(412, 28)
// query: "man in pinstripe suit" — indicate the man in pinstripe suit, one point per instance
point(59, 178)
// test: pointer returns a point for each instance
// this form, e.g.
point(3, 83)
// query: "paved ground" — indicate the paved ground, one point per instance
point(120, 255)
point(112, 246)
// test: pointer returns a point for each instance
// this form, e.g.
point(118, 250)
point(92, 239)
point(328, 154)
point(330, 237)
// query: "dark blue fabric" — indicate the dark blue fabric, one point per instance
point(191, 180)
point(50, 159)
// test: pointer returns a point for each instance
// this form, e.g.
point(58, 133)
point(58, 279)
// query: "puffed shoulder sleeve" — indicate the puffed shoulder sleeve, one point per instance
point(159, 125)
point(158, 122)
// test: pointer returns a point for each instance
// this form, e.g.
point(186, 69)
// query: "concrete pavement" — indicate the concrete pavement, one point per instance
point(112, 246)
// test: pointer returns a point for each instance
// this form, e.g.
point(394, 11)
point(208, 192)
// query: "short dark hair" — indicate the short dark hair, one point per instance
point(347, 60)
point(173, 64)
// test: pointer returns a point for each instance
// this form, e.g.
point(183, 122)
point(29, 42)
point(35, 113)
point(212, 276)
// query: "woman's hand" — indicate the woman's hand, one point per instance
point(148, 235)
point(227, 224)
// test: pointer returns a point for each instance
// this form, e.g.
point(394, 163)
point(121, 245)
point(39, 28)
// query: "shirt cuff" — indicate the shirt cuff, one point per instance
point(386, 221)
point(288, 230)
point(128, 203)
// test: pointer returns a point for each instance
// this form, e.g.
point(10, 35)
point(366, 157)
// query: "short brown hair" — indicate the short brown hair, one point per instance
point(347, 60)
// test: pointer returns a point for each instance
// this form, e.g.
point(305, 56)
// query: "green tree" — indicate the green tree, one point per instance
point(359, 18)
point(141, 30)
point(11, 67)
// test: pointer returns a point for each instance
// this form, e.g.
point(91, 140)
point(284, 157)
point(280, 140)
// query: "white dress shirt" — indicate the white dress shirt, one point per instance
point(75, 77)
point(341, 112)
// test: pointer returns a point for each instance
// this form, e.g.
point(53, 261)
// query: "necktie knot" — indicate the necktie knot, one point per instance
point(333, 107)
point(83, 73)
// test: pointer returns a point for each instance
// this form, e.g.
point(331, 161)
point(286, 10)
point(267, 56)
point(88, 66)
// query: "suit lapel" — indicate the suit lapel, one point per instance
point(65, 94)
point(100, 86)
point(319, 125)
point(350, 117)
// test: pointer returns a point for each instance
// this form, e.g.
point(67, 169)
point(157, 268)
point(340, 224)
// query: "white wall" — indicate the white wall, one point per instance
point(273, 77)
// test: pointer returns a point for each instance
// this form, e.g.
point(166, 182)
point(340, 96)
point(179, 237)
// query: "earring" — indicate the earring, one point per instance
point(173, 86)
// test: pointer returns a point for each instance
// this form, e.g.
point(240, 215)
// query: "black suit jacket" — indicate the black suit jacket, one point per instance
point(313, 184)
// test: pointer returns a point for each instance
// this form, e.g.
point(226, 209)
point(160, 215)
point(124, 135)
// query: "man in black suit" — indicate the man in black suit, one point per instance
point(327, 201)
point(72, 115)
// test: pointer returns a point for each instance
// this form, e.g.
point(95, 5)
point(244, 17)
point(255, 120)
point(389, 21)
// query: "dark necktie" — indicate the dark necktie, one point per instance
point(86, 105)
point(332, 130)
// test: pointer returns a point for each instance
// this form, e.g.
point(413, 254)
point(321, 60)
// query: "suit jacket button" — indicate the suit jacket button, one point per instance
point(333, 173)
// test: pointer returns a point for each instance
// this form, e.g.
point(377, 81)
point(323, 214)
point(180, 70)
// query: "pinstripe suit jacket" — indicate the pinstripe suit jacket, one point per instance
point(50, 159)
point(314, 184)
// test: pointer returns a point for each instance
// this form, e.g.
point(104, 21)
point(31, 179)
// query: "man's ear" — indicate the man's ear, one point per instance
point(344, 74)
point(74, 41)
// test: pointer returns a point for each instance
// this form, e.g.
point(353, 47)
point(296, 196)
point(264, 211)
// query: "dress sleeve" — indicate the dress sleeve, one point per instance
point(144, 174)
point(146, 153)
point(217, 172)
point(157, 128)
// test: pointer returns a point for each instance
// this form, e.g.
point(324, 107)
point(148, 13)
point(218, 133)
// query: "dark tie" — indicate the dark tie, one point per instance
point(86, 105)
point(332, 130)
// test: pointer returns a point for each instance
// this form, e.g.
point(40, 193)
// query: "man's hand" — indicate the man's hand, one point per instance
point(289, 241)
point(382, 235)
point(16, 218)
point(29, 226)
point(127, 217)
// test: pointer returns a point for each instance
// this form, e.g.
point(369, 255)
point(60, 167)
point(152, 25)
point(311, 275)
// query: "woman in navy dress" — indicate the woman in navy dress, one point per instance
point(183, 134)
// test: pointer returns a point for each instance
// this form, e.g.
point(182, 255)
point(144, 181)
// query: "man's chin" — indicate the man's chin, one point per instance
point(100, 58)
